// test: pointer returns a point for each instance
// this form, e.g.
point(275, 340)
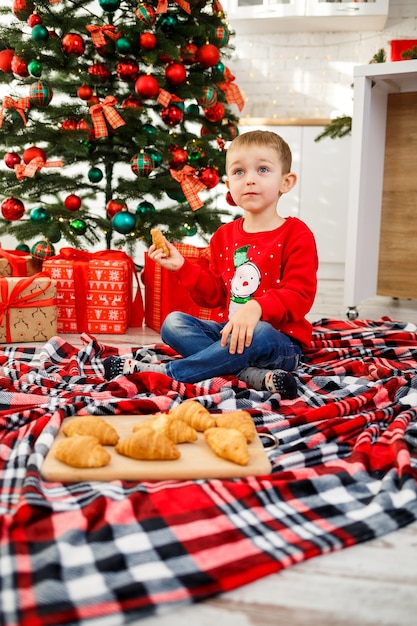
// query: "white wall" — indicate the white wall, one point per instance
point(310, 75)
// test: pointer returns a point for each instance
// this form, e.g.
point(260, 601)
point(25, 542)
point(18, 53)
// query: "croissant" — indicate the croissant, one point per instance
point(175, 429)
point(92, 425)
point(241, 420)
point(194, 414)
point(229, 444)
point(146, 444)
point(158, 240)
point(82, 451)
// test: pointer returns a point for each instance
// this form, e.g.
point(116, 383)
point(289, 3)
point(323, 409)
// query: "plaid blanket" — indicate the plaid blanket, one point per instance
point(343, 473)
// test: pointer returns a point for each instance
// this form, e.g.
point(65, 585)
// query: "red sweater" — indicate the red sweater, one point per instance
point(277, 268)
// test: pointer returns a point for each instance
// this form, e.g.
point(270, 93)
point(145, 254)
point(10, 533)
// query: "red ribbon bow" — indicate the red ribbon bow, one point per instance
point(164, 98)
point(19, 105)
point(35, 165)
point(232, 91)
point(80, 260)
point(99, 33)
point(103, 111)
point(16, 259)
point(190, 185)
point(16, 301)
point(163, 6)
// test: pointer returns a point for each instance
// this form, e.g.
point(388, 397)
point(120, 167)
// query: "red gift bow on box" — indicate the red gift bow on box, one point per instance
point(163, 6)
point(35, 165)
point(105, 111)
point(19, 105)
point(80, 260)
point(190, 185)
point(99, 33)
point(17, 263)
point(232, 91)
point(13, 301)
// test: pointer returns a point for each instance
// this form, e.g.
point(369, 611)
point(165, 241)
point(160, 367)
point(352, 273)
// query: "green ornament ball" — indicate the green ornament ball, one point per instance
point(40, 33)
point(35, 68)
point(145, 209)
point(178, 196)
point(193, 109)
point(110, 6)
point(155, 155)
point(78, 227)
point(23, 247)
point(168, 23)
point(124, 222)
point(150, 130)
point(95, 175)
point(124, 45)
point(42, 250)
point(189, 230)
point(54, 233)
point(39, 215)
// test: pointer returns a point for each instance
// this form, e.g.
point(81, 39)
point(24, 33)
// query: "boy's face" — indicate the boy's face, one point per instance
point(255, 178)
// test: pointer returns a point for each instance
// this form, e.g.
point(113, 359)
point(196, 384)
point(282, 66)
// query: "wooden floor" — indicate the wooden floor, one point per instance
point(374, 584)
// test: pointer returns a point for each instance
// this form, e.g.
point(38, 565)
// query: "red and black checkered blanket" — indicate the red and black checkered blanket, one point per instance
point(344, 473)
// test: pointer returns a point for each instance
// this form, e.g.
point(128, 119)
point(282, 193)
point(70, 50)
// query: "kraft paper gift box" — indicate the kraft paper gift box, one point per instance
point(164, 292)
point(95, 291)
point(27, 308)
point(18, 263)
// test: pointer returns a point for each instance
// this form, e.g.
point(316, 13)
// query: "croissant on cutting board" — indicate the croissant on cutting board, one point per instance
point(195, 414)
point(94, 426)
point(228, 443)
point(241, 420)
point(148, 445)
point(82, 451)
point(175, 429)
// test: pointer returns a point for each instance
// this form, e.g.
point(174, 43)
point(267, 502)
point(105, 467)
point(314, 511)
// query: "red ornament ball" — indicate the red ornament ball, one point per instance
point(12, 209)
point(100, 71)
point(131, 102)
point(215, 113)
point(172, 115)
point(11, 159)
point(19, 67)
point(72, 202)
point(189, 53)
point(22, 9)
point(208, 97)
point(6, 57)
point(72, 43)
point(84, 92)
point(127, 70)
point(147, 41)
point(208, 55)
point(210, 177)
point(113, 207)
point(147, 86)
point(33, 153)
point(34, 19)
point(179, 157)
point(175, 74)
point(146, 14)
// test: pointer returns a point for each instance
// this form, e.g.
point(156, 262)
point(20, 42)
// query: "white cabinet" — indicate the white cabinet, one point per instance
point(373, 84)
point(254, 16)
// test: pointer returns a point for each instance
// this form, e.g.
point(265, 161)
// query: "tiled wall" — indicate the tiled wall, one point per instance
point(310, 75)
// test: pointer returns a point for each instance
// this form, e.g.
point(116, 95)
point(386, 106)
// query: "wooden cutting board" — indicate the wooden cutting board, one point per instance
point(197, 460)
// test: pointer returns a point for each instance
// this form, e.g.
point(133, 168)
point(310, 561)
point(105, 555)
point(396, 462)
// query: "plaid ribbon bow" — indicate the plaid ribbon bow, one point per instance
point(35, 165)
point(99, 33)
point(163, 6)
point(232, 91)
point(103, 111)
point(19, 105)
point(164, 98)
point(190, 185)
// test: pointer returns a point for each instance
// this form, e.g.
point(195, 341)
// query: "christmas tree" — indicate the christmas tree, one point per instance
point(115, 120)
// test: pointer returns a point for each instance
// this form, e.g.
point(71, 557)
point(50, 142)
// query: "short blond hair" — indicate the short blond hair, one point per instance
point(265, 138)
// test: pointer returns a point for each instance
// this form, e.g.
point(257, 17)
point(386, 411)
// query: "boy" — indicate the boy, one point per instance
point(263, 268)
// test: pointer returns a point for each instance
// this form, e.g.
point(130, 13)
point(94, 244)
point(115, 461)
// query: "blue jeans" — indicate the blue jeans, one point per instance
point(199, 342)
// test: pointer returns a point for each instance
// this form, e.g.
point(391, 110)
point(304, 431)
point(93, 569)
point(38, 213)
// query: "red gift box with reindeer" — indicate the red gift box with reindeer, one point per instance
point(95, 291)
point(27, 308)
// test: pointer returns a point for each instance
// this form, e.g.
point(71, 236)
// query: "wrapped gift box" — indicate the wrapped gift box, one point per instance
point(27, 308)
point(94, 291)
point(18, 263)
point(164, 292)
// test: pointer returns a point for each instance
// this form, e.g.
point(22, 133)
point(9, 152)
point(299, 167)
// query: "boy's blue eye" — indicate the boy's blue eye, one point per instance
point(263, 169)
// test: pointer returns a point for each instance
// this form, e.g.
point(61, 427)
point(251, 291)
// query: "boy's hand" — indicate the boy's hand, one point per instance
point(240, 327)
point(173, 262)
